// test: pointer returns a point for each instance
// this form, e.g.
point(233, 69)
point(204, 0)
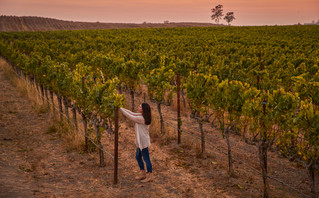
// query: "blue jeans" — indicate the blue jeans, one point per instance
point(146, 157)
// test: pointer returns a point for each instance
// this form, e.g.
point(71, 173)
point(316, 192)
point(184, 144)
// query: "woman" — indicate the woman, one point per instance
point(142, 139)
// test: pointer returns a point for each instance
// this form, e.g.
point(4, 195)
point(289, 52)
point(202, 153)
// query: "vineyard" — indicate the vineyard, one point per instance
point(258, 83)
point(25, 23)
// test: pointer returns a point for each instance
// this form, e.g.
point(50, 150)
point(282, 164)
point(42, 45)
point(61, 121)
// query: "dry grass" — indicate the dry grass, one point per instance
point(72, 138)
point(7, 70)
point(23, 86)
point(157, 136)
point(155, 129)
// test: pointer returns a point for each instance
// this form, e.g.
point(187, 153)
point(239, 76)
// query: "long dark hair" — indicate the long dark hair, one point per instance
point(147, 113)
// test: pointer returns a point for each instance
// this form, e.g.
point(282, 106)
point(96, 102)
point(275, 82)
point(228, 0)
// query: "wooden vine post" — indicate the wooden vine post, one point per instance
point(179, 121)
point(263, 154)
point(116, 141)
point(263, 145)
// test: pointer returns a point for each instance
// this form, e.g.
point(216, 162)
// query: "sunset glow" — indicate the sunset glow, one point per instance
point(247, 12)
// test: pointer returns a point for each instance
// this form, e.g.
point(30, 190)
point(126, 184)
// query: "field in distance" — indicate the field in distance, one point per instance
point(32, 23)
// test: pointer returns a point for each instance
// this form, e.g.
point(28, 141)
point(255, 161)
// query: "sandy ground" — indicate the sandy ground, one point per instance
point(36, 162)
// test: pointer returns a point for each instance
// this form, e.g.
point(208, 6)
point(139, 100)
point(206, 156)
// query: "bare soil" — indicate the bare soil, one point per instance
point(36, 161)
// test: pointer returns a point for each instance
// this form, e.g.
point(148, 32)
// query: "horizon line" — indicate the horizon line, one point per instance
point(165, 21)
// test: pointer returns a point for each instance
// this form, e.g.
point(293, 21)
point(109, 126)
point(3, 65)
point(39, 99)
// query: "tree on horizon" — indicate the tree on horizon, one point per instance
point(217, 13)
point(229, 17)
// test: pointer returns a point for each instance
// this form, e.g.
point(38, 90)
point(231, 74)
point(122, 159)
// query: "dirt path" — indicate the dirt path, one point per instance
point(36, 163)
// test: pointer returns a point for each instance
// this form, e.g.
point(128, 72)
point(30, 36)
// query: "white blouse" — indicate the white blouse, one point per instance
point(142, 137)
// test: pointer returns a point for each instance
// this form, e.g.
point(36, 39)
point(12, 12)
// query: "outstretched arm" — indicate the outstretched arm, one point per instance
point(135, 118)
point(130, 112)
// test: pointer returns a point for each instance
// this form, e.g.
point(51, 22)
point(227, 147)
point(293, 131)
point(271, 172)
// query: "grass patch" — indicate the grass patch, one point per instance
point(22, 150)
point(41, 109)
point(73, 138)
point(157, 136)
point(52, 129)
point(21, 167)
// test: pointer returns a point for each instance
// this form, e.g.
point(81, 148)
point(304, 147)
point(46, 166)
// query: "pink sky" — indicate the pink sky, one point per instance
point(247, 12)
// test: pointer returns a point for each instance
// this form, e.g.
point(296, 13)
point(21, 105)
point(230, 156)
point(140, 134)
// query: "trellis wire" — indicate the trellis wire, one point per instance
point(245, 163)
